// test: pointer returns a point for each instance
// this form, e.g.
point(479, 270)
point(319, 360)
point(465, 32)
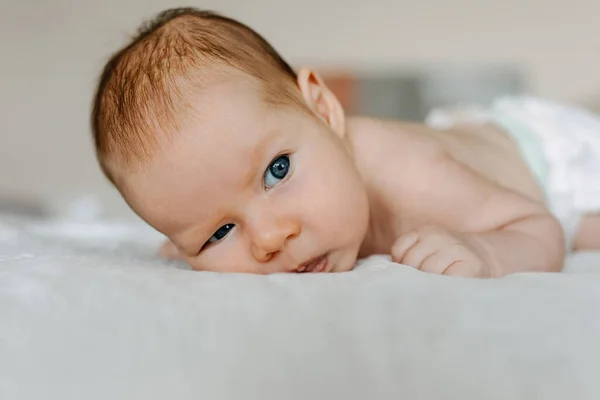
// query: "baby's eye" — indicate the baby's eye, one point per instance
point(220, 234)
point(278, 169)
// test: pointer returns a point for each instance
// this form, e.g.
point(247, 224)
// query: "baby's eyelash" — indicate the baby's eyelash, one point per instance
point(219, 234)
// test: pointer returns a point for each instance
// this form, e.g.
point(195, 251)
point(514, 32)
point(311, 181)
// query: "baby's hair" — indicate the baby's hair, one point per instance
point(145, 87)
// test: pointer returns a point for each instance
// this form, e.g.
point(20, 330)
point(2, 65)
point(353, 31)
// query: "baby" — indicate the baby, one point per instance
point(249, 166)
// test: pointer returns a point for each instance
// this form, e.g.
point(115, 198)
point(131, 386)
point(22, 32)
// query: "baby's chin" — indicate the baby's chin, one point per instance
point(345, 264)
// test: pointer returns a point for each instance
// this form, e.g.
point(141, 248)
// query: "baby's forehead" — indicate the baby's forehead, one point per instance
point(223, 134)
point(229, 123)
point(233, 115)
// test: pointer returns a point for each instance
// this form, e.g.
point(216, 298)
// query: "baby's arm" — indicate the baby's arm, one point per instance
point(530, 239)
point(484, 229)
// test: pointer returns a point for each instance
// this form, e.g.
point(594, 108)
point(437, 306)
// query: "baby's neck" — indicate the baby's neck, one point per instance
point(362, 138)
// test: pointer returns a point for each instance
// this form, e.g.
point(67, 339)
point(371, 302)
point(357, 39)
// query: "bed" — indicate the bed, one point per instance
point(88, 312)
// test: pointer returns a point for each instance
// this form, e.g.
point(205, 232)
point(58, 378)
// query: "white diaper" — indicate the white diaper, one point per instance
point(560, 143)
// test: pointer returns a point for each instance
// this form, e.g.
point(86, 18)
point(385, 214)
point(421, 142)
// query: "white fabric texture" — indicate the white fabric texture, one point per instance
point(569, 138)
point(87, 312)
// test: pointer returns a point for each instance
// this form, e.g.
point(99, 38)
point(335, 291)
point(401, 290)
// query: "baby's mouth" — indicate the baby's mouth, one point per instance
point(318, 264)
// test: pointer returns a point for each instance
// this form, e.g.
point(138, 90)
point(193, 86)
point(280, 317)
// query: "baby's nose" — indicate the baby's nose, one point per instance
point(268, 240)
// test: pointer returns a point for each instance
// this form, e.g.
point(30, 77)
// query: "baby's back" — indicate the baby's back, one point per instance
point(488, 150)
point(484, 148)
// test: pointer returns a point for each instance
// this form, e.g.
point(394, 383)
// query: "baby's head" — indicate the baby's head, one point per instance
point(216, 142)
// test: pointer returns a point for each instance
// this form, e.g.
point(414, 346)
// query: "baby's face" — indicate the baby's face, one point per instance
point(247, 187)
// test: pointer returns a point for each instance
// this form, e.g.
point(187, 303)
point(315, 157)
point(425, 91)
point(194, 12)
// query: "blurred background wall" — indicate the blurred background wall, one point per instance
point(402, 57)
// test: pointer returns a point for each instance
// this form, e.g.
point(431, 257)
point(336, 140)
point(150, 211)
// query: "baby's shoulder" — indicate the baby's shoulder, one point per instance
point(402, 140)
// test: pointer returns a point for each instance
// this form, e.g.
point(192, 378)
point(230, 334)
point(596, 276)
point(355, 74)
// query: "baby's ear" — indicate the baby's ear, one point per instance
point(321, 100)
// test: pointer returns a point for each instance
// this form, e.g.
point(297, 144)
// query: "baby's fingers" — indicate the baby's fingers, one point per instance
point(402, 245)
point(414, 250)
point(454, 260)
point(442, 262)
point(467, 268)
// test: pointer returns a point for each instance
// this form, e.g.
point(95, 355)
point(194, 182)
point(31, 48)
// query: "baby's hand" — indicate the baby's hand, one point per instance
point(438, 251)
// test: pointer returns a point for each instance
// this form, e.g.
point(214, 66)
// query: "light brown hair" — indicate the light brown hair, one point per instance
point(143, 87)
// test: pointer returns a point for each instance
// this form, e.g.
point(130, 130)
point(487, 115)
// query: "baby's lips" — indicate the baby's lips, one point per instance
point(315, 264)
point(301, 268)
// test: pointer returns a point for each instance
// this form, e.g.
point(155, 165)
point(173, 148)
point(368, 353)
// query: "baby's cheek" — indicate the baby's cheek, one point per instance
point(194, 264)
point(346, 265)
point(224, 257)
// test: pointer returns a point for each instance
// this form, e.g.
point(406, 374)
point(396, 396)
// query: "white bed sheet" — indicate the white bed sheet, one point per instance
point(87, 312)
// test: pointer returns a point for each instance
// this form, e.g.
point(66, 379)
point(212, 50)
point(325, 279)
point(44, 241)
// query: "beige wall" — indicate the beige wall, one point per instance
point(51, 52)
